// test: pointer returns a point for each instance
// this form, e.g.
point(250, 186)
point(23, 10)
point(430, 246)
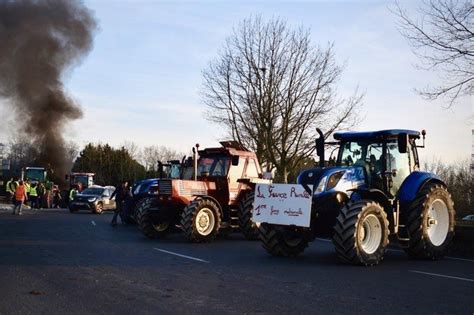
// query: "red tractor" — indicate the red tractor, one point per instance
point(219, 198)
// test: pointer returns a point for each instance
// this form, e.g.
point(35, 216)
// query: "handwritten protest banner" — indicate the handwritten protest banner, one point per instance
point(284, 204)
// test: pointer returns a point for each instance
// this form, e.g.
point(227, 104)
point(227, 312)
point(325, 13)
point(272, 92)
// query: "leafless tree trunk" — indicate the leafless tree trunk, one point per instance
point(443, 38)
point(271, 88)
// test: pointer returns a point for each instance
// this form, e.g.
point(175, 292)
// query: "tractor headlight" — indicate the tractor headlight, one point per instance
point(92, 199)
point(334, 180)
point(321, 185)
point(153, 190)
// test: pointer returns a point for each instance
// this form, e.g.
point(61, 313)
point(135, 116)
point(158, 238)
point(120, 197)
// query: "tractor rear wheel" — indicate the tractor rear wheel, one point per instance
point(282, 241)
point(201, 220)
point(248, 227)
point(147, 221)
point(430, 223)
point(361, 233)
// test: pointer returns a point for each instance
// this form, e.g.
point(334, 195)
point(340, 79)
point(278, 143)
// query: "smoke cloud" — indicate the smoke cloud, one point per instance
point(40, 42)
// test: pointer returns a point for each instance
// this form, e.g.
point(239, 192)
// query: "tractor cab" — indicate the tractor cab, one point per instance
point(379, 160)
point(385, 157)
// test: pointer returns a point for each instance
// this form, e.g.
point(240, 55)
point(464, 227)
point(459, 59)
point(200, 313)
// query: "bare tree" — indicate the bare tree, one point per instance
point(133, 149)
point(270, 88)
point(443, 38)
point(152, 154)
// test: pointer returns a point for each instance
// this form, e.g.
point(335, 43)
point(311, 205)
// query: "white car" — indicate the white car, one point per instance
point(468, 218)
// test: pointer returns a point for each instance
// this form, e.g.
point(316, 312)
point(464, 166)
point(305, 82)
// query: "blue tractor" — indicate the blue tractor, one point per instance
point(374, 193)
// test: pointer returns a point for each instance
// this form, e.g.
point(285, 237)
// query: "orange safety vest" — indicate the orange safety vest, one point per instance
point(20, 193)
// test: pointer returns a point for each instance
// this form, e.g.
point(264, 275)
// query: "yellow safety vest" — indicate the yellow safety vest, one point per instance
point(8, 189)
point(33, 192)
point(27, 188)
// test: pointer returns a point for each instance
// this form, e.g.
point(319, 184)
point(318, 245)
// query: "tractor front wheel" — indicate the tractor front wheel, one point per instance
point(201, 220)
point(282, 241)
point(361, 233)
point(148, 222)
point(430, 223)
point(248, 227)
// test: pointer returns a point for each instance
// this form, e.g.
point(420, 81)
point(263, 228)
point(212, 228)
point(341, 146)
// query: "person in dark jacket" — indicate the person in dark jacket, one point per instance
point(122, 196)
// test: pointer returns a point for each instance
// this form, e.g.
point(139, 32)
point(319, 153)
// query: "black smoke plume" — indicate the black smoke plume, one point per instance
point(40, 42)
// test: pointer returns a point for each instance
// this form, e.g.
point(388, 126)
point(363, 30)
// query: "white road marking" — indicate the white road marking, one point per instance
point(323, 239)
point(461, 259)
point(402, 251)
point(180, 255)
point(93, 223)
point(442, 276)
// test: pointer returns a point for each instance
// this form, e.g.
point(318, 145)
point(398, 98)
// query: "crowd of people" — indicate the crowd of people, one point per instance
point(36, 195)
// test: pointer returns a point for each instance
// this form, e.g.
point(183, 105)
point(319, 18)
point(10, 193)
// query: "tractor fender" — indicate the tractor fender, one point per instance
point(413, 184)
point(378, 196)
point(204, 197)
point(372, 194)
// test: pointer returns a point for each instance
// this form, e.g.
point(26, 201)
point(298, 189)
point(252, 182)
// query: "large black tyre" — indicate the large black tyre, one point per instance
point(201, 220)
point(247, 225)
point(430, 222)
point(148, 222)
point(282, 241)
point(361, 233)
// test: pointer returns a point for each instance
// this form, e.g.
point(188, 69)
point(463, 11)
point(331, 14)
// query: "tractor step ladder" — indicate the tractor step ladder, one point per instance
point(403, 236)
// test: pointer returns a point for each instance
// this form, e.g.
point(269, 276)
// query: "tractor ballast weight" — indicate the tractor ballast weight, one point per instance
point(374, 192)
point(218, 199)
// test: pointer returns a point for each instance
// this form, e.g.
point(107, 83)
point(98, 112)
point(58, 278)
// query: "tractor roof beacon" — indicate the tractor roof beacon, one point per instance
point(374, 190)
point(219, 198)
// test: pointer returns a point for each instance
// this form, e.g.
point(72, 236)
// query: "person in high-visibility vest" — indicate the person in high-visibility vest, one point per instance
point(9, 189)
point(73, 193)
point(20, 198)
point(34, 196)
point(27, 189)
point(13, 185)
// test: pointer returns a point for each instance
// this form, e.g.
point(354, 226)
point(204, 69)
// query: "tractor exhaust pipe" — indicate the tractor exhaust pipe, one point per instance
point(195, 160)
point(320, 147)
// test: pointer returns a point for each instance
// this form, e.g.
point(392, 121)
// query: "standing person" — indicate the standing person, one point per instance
point(73, 193)
point(56, 197)
point(27, 188)
point(122, 196)
point(10, 189)
point(41, 191)
point(20, 198)
point(47, 196)
point(34, 196)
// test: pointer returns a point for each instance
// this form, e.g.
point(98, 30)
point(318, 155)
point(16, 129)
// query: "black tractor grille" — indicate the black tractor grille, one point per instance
point(165, 187)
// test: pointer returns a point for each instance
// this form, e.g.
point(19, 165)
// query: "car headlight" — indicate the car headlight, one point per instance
point(321, 185)
point(92, 199)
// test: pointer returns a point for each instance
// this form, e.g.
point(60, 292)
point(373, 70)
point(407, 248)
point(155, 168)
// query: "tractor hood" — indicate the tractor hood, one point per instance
point(331, 179)
point(144, 185)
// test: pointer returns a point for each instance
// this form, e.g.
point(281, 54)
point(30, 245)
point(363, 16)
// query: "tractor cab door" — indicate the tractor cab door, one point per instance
point(398, 167)
point(236, 172)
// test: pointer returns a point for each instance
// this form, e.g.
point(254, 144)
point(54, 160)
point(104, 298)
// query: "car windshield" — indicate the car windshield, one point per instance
point(214, 165)
point(93, 191)
point(82, 179)
point(35, 174)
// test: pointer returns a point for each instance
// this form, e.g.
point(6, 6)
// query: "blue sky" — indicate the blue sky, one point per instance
point(142, 80)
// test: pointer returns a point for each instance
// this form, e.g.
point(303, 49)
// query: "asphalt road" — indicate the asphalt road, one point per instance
point(54, 262)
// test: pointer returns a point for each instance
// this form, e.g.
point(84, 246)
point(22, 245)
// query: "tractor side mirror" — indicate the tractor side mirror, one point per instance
point(235, 160)
point(403, 143)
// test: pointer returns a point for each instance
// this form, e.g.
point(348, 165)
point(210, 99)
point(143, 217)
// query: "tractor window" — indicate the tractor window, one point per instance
point(175, 171)
point(351, 152)
point(214, 166)
point(399, 166)
point(252, 171)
